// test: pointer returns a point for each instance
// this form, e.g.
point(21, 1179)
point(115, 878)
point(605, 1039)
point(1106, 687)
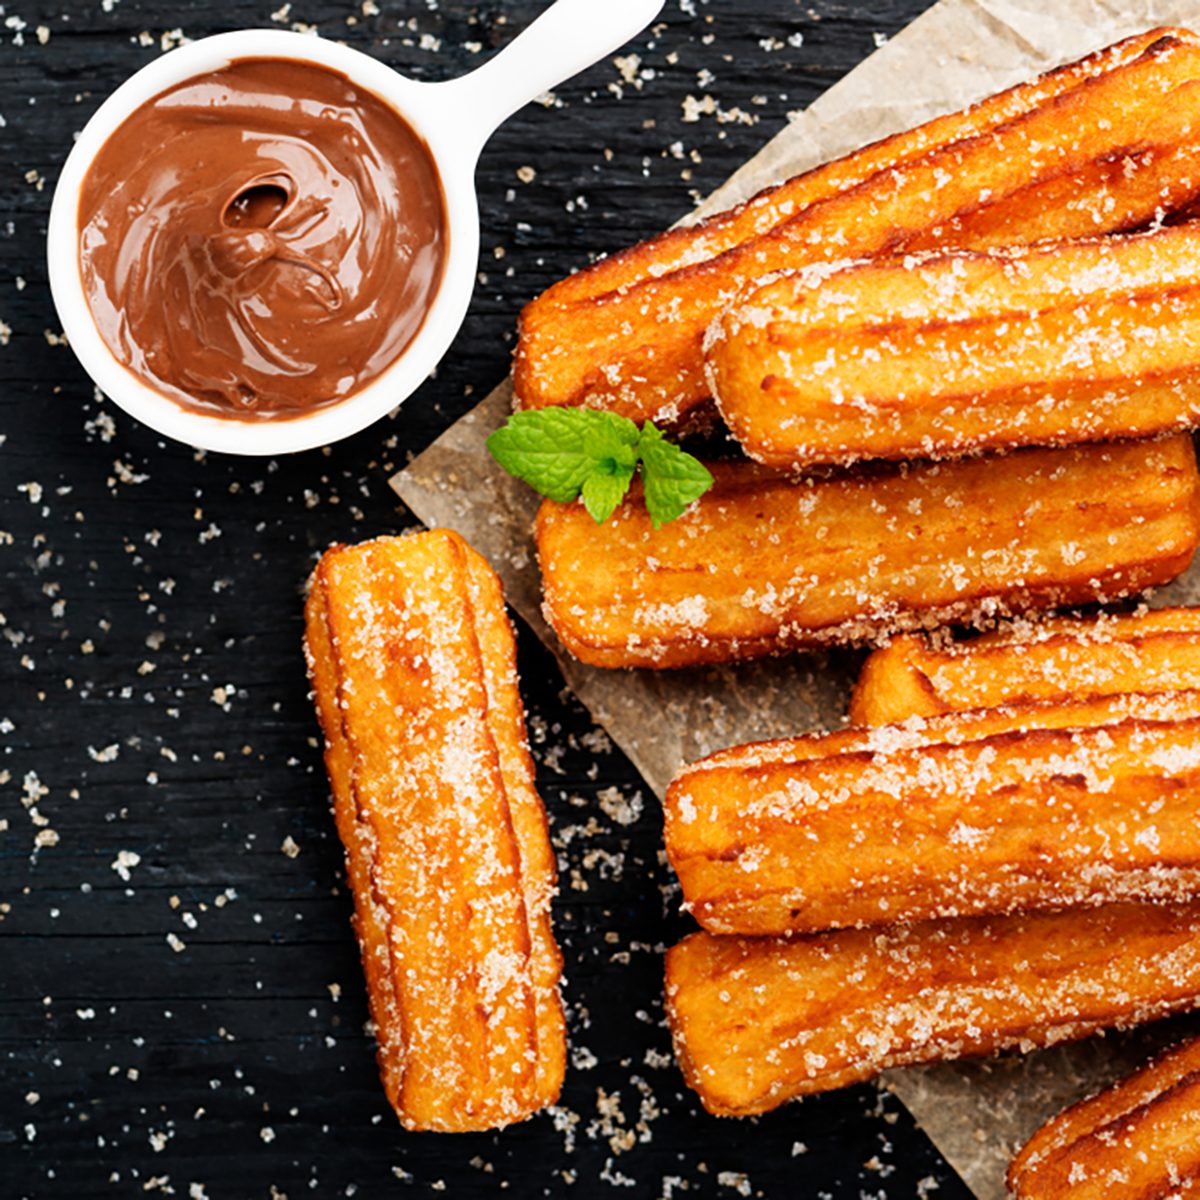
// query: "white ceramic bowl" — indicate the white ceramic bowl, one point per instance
point(454, 118)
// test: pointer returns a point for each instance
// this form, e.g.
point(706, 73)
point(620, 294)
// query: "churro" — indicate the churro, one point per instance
point(1052, 659)
point(413, 669)
point(957, 351)
point(1139, 1138)
point(1028, 807)
point(759, 1021)
point(762, 564)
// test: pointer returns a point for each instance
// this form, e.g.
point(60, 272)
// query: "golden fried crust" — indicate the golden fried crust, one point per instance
point(761, 565)
point(370, 919)
point(506, 722)
point(759, 1021)
point(1151, 651)
point(413, 670)
point(1139, 1139)
point(1103, 145)
point(942, 354)
point(1031, 807)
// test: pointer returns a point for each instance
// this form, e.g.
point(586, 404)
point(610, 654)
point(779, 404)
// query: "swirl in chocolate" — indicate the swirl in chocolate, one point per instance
point(262, 240)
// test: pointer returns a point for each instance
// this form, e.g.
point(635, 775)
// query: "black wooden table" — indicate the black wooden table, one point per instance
point(181, 1005)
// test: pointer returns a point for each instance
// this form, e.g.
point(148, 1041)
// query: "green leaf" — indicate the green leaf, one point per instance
point(544, 447)
point(555, 449)
point(610, 441)
point(603, 491)
point(671, 478)
point(564, 453)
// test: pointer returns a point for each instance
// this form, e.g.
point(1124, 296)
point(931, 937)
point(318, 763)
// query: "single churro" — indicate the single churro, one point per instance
point(951, 352)
point(762, 564)
point(759, 1021)
point(413, 668)
point(1032, 806)
point(1140, 1137)
point(1055, 658)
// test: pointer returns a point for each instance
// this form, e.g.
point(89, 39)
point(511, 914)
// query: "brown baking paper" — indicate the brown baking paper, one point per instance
point(955, 53)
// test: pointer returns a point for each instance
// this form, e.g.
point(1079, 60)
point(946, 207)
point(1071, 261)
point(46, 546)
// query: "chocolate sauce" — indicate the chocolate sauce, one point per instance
point(262, 240)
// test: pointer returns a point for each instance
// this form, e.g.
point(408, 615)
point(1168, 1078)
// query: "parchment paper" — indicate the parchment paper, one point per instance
point(955, 53)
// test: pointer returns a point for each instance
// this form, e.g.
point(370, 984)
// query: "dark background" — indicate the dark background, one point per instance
point(196, 1029)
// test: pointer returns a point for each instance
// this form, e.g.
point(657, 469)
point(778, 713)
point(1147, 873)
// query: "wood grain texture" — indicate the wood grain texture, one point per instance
point(153, 700)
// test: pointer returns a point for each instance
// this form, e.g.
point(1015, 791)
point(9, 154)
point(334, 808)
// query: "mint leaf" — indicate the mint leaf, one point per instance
point(544, 447)
point(610, 441)
point(602, 491)
point(556, 449)
point(564, 453)
point(671, 478)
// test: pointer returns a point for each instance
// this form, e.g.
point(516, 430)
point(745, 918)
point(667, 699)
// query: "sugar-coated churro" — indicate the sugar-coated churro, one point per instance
point(1030, 807)
point(761, 564)
point(759, 1021)
point(413, 668)
point(1139, 1138)
point(950, 352)
point(1050, 659)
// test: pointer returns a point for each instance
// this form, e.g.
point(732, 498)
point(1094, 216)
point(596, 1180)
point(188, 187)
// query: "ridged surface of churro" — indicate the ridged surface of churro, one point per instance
point(1139, 1138)
point(946, 353)
point(1101, 145)
point(1033, 806)
point(760, 1021)
point(413, 667)
point(1052, 659)
point(762, 564)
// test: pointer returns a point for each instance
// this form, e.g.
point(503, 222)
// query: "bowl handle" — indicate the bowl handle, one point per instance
point(568, 37)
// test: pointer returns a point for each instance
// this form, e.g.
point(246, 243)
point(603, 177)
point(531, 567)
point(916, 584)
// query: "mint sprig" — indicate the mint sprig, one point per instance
point(563, 453)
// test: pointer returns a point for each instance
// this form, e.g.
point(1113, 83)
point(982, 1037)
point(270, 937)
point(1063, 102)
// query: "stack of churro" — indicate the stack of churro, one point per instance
point(1013, 275)
point(1011, 860)
point(1004, 851)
